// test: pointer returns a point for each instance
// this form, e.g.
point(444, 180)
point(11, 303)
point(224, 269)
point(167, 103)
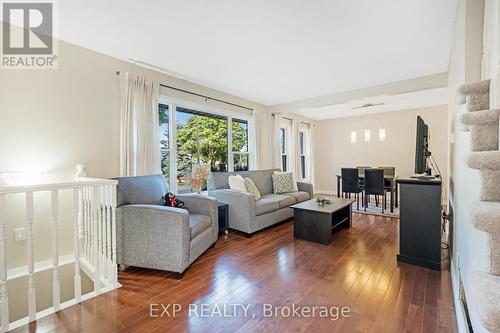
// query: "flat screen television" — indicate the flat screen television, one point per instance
point(421, 147)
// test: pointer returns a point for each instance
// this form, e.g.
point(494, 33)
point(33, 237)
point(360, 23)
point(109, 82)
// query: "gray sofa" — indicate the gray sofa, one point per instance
point(248, 215)
point(151, 235)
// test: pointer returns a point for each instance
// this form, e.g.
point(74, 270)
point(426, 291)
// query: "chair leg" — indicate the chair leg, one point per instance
point(376, 200)
point(385, 200)
point(357, 201)
point(366, 201)
point(383, 204)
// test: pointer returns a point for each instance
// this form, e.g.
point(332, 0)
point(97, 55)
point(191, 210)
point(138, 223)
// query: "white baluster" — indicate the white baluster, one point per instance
point(56, 291)
point(95, 240)
point(88, 220)
point(102, 231)
point(76, 208)
point(31, 262)
point(113, 234)
point(4, 296)
point(108, 233)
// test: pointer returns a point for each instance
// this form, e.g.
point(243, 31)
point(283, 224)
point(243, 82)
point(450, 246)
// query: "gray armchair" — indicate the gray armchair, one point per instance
point(154, 236)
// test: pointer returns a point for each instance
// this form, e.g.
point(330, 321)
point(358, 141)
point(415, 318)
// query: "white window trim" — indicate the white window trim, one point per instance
point(173, 103)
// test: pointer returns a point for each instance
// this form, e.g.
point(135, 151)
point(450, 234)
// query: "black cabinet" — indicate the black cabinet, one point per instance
point(223, 218)
point(420, 222)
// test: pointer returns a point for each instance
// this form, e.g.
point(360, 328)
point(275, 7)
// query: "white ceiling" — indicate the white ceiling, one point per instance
point(411, 100)
point(270, 51)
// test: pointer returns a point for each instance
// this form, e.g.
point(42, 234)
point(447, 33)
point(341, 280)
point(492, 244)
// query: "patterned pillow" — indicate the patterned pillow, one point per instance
point(236, 183)
point(252, 189)
point(295, 186)
point(283, 183)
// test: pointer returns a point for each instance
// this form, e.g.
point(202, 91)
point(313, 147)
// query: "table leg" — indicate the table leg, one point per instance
point(338, 187)
point(396, 195)
point(392, 198)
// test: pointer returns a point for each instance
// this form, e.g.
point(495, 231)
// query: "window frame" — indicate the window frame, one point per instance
point(174, 103)
point(304, 153)
point(285, 151)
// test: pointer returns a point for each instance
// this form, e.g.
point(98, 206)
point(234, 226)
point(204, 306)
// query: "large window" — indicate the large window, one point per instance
point(201, 138)
point(284, 148)
point(240, 145)
point(164, 140)
point(189, 136)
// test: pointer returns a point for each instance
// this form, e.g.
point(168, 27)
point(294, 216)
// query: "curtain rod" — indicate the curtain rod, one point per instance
point(200, 95)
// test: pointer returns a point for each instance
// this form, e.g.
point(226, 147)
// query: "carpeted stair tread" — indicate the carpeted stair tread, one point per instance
point(485, 117)
point(485, 290)
point(477, 95)
point(485, 160)
point(478, 87)
point(485, 216)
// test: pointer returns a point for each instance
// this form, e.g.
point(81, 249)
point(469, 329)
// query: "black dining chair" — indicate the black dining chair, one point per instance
point(375, 185)
point(350, 183)
point(361, 172)
point(389, 178)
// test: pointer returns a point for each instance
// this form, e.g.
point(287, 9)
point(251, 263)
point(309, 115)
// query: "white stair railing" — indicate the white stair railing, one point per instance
point(94, 248)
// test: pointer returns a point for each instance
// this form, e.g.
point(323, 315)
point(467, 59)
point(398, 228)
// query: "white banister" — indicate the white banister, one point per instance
point(76, 241)
point(4, 295)
point(56, 290)
point(93, 225)
point(31, 260)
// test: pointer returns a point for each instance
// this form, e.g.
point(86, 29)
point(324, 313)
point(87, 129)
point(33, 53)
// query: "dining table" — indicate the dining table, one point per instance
point(391, 179)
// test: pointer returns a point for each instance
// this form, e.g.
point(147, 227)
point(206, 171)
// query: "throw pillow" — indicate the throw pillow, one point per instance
point(237, 183)
point(295, 186)
point(283, 183)
point(252, 189)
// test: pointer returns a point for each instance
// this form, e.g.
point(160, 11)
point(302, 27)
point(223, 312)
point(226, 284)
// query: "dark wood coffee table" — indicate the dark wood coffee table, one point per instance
point(314, 222)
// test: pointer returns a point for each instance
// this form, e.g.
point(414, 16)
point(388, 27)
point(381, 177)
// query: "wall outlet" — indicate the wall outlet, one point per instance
point(20, 234)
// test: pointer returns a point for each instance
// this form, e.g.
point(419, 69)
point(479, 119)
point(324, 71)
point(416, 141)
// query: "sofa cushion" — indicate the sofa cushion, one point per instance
point(300, 196)
point(271, 202)
point(266, 205)
point(198, 223)
point(147, 190)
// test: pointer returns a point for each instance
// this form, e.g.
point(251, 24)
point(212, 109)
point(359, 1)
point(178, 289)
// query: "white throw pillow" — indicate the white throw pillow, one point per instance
point(283, 183)
point(237, 183)
point(295, 187)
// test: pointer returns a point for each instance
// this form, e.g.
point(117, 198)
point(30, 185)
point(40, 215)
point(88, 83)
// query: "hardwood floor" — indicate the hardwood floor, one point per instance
point(357, 270)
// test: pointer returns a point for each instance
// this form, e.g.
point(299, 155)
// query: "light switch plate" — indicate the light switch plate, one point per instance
point(20, 234)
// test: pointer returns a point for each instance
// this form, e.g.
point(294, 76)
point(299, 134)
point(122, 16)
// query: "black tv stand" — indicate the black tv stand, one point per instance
point(420, 222)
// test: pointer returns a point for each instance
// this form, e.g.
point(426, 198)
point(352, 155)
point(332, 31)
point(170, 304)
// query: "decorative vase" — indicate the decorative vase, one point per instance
point(199, 175)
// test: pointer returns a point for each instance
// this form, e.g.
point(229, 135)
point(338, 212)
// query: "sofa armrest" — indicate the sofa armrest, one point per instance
point(153, 236)
point(241, 207)
point(306, 187)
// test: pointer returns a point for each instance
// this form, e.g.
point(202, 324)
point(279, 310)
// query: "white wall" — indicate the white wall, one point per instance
point(333, 149)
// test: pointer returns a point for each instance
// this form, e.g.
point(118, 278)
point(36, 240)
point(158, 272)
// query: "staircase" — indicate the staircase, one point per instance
point(485, 214)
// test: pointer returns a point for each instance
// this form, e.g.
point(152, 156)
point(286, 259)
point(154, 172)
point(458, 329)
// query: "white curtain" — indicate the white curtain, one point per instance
point(139, 132)
point(295, 150)
point(276, 140)
point(255, 156)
